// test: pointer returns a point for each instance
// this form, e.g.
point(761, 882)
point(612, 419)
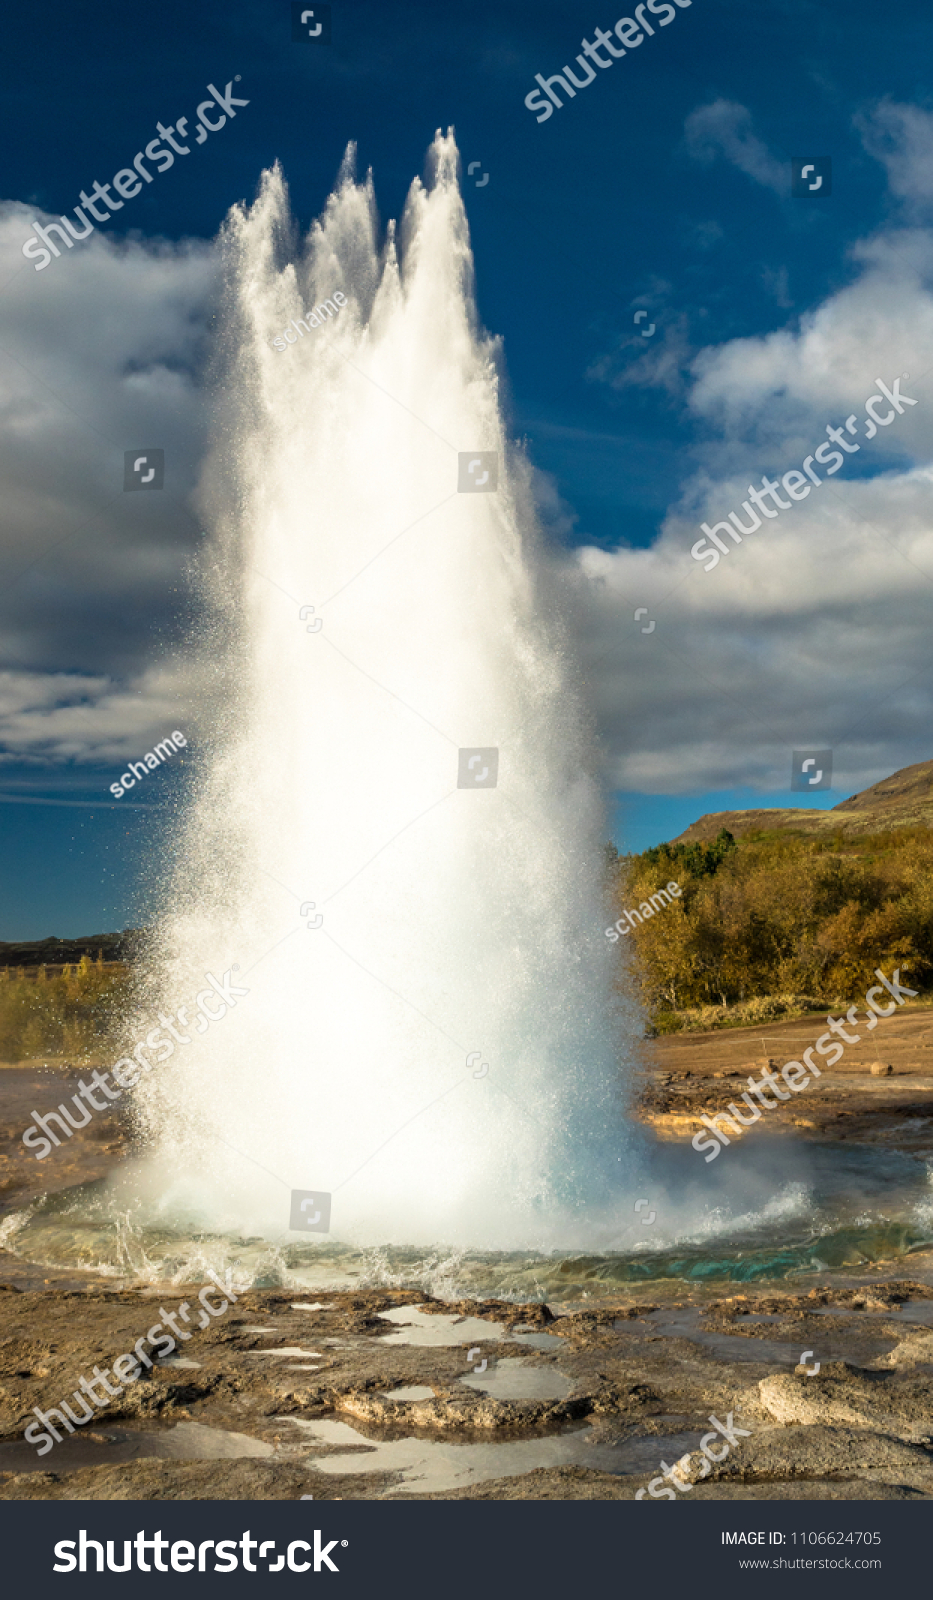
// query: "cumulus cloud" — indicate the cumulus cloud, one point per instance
point(773, 391)
point(50, 717)
point(815, 630)
point(99, 353)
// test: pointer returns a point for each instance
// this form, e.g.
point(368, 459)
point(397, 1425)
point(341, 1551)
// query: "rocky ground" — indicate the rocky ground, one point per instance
point(683, 1075)
point(280, 1398)
point(361, 1395)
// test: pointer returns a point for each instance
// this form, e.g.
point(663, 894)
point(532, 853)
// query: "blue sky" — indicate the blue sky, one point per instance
point(663, 187)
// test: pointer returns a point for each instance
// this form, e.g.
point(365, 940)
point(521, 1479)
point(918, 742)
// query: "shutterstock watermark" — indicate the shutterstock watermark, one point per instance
point(126, 1369)
point(676, 1474)
point(127, 181)
point(797, 1076)
point(630, 32)
point(646, 909)
point(127, 1070)
point(794, 482)
point(183, 1554)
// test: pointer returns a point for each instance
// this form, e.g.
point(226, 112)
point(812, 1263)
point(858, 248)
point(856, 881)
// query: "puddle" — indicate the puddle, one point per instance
point(302, 1369)
point(176, 1361)
point(516, 1380)
point(734, 1347)
point(283, 1350)
point(428, 1466)
point(187, 1441)
point(643, 1455)
point(417, 1327)
point(244, 1329)
point(920, 1311)
point(414, 1391)
point(541, 1341)
point(318, 1305)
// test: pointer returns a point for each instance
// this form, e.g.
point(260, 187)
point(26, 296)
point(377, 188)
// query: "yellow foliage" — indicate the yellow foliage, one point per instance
point(74, 1014)
point(779, 913)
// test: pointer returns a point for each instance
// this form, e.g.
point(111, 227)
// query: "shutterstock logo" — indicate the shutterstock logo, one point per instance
point(811, 177)
point(226, 1555)
point(812, 769)
point(143, 469)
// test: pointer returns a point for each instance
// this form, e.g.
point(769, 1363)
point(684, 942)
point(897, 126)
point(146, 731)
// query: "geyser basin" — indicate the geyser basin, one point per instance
point(859, 1214)
point(395, 847)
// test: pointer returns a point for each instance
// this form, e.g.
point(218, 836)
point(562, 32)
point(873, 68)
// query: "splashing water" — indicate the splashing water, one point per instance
point(429, 1033)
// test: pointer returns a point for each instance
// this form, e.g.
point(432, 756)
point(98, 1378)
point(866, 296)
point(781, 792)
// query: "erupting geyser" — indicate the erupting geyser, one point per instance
point(397, 933)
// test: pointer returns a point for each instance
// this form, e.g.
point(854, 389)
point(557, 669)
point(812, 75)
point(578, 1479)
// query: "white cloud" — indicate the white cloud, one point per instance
point(770, 390)
point(724, 128)
point(53, 717)
point(815, 630)
point(901, 136)
point(99, 354)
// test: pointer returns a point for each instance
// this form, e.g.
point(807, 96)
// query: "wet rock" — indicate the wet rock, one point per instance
point(815, 1452)
point(459, 1409)
point(152, 1479)
point(913, 1351)
point(876, 1401)
point(462, 1410)
point(855, 1431)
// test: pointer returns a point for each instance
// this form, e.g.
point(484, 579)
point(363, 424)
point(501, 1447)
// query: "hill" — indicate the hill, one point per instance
point(782, 909)
point(904, 800)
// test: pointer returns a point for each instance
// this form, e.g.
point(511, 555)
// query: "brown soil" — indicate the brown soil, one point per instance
point(683, 1075)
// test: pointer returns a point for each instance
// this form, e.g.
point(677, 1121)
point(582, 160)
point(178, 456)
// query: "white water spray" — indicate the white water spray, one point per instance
point(457, 929)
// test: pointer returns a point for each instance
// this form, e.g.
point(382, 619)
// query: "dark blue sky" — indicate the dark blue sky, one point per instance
point(585, 218)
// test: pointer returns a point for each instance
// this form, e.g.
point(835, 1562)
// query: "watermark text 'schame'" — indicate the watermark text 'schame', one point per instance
point(646, 909)
point(169, 746)
point(319, 314)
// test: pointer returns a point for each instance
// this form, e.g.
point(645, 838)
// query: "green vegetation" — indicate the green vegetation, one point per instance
point(694, 860)
point(777, 921)
point(73, 1014)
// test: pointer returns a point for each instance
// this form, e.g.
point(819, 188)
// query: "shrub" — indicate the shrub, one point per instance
point(74, 1014)
point(778, 920)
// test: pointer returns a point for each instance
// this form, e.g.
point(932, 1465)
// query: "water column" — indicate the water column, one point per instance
point(397, 835)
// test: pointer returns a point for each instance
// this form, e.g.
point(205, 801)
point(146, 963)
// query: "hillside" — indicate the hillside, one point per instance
point(782, 909)
point(904, 800)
